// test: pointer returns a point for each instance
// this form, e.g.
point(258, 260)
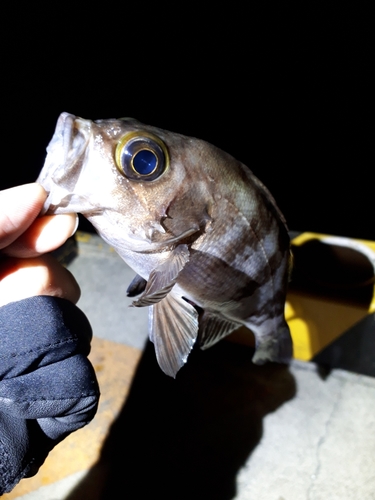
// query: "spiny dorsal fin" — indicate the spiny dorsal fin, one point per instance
point(173, 326)
point(164, 277)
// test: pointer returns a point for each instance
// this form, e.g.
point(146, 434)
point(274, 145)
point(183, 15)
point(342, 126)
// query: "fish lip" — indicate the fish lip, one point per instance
point(67, 124)
point(71, 136)
point(65, 153)
point(62, 135)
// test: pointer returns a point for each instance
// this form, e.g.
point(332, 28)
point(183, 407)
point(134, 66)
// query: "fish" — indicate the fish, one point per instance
point(209, 246)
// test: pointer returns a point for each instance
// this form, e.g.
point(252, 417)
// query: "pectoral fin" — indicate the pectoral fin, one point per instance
point(213, 328)
point(164, 277)
point(173, 326)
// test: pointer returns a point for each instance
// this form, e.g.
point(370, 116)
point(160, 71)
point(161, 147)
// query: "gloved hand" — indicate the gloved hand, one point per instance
point(47, 386)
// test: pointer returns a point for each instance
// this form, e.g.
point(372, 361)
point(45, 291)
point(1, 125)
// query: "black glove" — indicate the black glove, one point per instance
point(48, 387)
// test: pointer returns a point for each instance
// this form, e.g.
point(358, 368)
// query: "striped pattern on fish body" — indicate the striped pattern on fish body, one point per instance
point(205, 237)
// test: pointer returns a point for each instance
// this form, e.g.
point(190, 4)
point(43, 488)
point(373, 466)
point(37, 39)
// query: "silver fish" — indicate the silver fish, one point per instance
point(205, 237)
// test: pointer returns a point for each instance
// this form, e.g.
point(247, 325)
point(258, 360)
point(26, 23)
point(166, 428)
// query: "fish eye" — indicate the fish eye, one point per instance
point(141, 156)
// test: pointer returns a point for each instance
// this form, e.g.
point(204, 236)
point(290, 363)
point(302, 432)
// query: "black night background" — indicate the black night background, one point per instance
point(284, 88)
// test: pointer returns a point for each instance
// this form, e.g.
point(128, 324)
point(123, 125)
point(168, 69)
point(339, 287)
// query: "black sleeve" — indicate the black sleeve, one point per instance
point(48, 387)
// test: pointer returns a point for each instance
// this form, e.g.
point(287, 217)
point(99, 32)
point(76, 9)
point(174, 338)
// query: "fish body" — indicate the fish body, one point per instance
point(205, 237)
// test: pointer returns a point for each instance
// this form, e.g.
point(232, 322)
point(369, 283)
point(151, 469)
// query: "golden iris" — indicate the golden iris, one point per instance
point(141, 156)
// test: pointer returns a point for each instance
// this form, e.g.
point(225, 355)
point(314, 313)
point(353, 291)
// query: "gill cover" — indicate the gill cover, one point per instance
point(141, 156)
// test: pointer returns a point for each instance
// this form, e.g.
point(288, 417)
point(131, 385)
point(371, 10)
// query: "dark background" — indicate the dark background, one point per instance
point(285, 88)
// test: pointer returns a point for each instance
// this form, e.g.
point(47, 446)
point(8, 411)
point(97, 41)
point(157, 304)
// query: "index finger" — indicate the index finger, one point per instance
point(19, 207)
point(44, 235)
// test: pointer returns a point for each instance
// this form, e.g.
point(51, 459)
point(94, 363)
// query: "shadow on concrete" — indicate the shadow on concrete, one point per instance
point(353, 351)
point(187, 438)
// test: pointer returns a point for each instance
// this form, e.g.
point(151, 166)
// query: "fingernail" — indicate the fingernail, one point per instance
point(76, 225)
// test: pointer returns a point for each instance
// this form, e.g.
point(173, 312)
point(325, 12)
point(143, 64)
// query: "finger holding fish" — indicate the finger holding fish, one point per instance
point(25, 267)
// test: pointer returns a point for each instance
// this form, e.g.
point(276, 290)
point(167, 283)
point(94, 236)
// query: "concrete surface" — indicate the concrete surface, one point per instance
point(224, 429)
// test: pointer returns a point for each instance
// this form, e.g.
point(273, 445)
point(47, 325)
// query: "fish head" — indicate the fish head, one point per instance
point(132, 181)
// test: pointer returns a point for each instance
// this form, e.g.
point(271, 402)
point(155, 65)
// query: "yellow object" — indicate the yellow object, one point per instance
point(335, 289)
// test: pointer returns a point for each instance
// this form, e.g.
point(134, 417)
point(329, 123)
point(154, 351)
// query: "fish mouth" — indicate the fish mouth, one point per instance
point(66, 147)
point(65, 157)
point(61, 140)
point(64, 133)
point(75, 134)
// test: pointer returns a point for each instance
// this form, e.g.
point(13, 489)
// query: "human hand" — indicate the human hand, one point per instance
point(48, 387)
point(24, 238)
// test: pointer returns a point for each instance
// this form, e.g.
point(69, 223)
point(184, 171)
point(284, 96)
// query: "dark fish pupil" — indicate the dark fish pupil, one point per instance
point(144, 162)
point(141, 157)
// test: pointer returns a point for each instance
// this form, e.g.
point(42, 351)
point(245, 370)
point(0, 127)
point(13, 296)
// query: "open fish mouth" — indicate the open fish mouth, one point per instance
point(74, 134)
point(59, 146)
point(64, 133)
point(65, 156)
point(66, 147)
